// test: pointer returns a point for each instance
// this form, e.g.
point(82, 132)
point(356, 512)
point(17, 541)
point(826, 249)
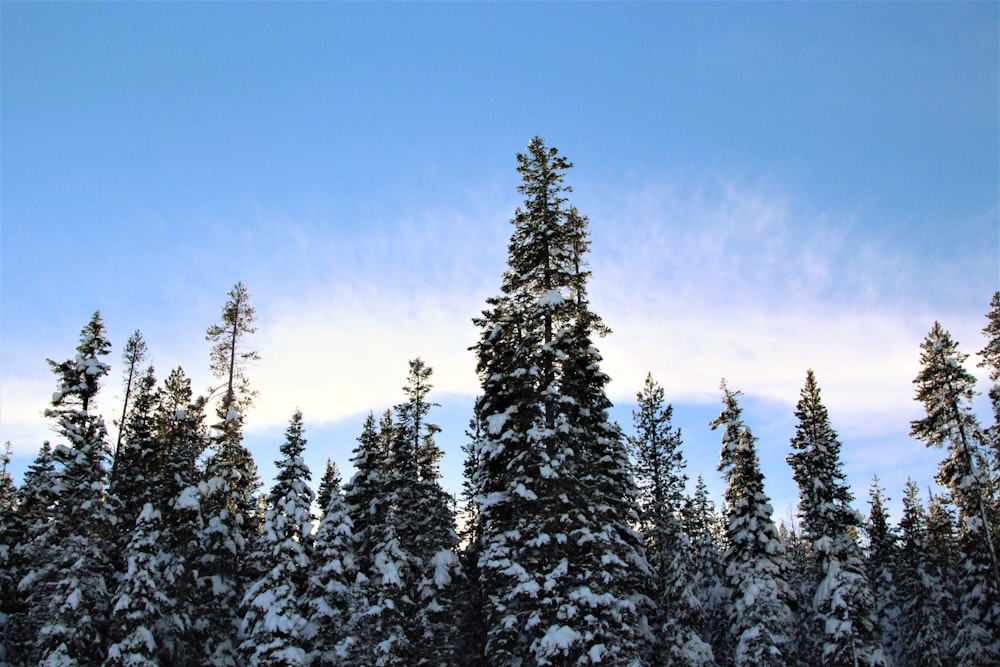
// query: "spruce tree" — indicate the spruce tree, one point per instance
point(181, 435)
point(881, 558)
point(660, 479)
point(275, 620)
point(924, 614)
point(228, 491)
point(132, 358)
point(705, 528)
point(36, 502)
point(134, 472)
point(329, 484)
point(946, 390)
point(472, 622)
point(560, 559)
point(68, 590)
point(843, 607)
point(990, 360)
point(11, 531)
point(425, 528)
point(332, 576)
point(140, 601)
point(366, 499)
point(760, 617)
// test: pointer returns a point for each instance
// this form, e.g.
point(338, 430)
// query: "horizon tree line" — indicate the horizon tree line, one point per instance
point(573, 543)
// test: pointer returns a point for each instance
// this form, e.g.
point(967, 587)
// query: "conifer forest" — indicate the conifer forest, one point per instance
point(576, 540)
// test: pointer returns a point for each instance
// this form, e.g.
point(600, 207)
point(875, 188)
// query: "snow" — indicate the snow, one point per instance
point(550, 299)
point(558, 638)
point(444, 561)
point(495, 423)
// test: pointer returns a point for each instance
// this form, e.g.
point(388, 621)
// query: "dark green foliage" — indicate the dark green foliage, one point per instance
point(329, 590)
point(228, 503)
point(761, 621)
point(660, 479)
point(926, 621)
point(275, 620)
point(880, 562)
point(67, 582)
point(559, 560)
point(946, 390)
point(840, 599)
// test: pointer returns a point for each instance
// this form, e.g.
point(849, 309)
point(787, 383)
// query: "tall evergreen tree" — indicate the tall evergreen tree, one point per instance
point(425, 524)
point(990, 360)
point(705, 528)
point(275, 619)
point(332, 576)
point(366, 492)
point(559, 558)
point(843, 607)
point(132, 358)
point(181, 435)
point(881, 558)
point(228, 492)
point(659, 472)
point(10, 536)
point(36, 501)
point(134, 468)
point(141, 600)
point(67, 591)
point(472, 622)
point(366, 499)
point(760, 616)
point(946, 390)
point(329, 484)
point(924, 613)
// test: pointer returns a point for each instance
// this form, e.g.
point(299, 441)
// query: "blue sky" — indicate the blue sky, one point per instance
point(772, 187)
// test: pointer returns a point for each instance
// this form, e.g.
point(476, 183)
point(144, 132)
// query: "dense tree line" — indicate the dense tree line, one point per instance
point(572, 544)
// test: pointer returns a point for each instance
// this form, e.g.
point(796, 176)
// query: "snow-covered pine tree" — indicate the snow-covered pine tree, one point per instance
point(332, 575)
point(151, 607)
point(366, 492)
point(228, 491)
point(275, 618)
point(181, 435)
point(801, 577)
point(132, 474)
point(425, 526)
point(67, 591)
point(384, 636)
point(329, 484)
point(472, 626)
point(941, 559)
point(990, 360)
point(140, 602)
point(843, 608)
point(34, 518)
point(946, 390)
point(132, 358)
point(882, 554)
point(705, 528)
point(660, 480)
point(367, 504)
point(924, 637)
point(11, 532)
point(560, 559)
point(761, 620)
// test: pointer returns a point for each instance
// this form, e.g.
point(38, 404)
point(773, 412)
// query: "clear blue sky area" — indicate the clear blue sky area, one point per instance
point(771, 186)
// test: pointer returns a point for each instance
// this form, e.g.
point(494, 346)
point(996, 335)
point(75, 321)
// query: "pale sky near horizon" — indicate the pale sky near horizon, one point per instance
point(771, 187)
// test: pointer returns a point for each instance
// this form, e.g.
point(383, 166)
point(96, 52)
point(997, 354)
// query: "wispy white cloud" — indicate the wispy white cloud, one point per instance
point(700, 279)
point(729, 280)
